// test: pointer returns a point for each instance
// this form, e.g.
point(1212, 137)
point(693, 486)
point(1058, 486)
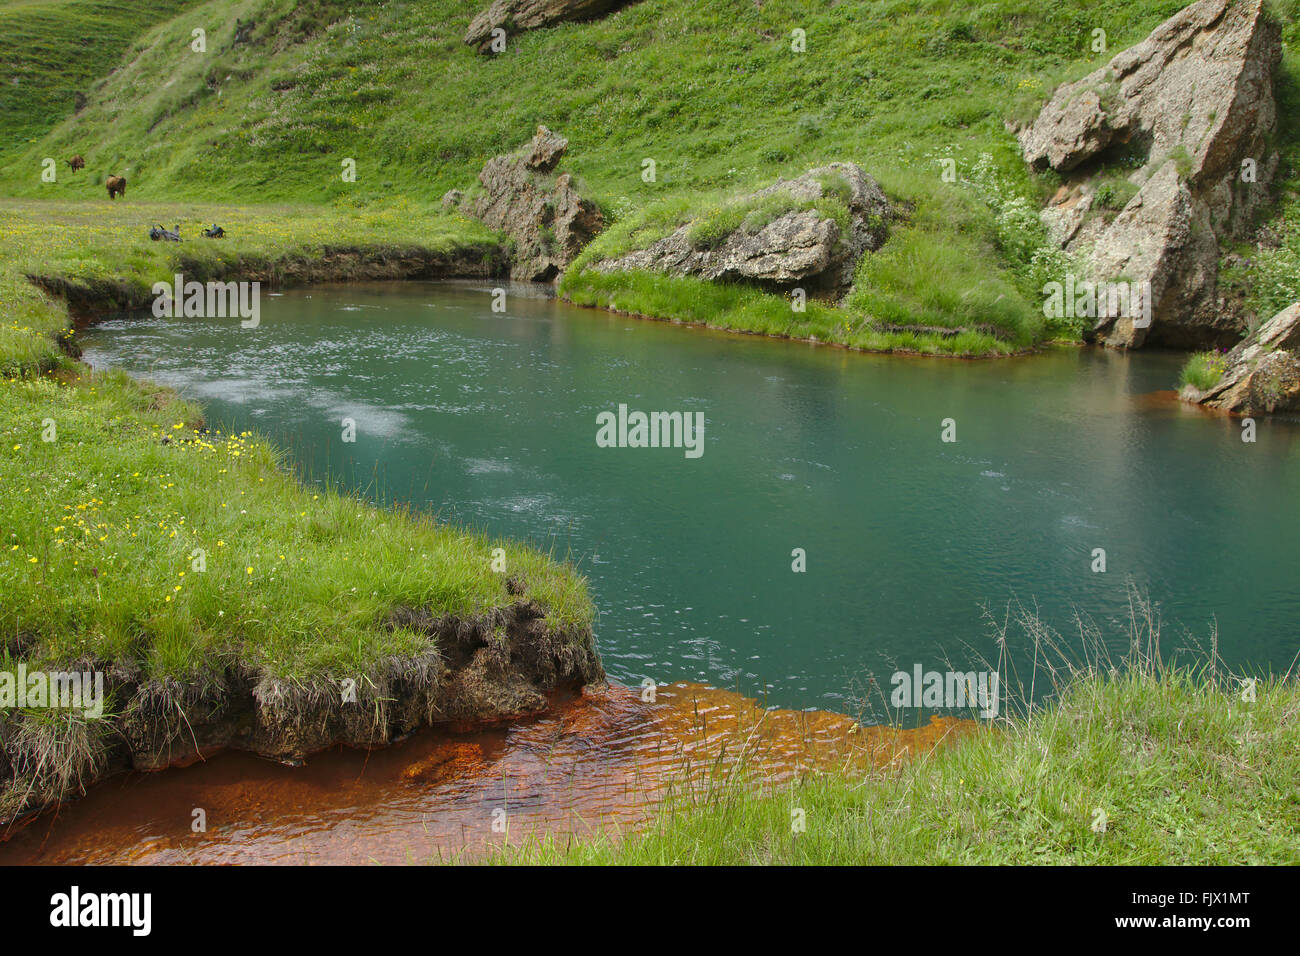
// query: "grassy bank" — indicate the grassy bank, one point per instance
point(1152, 763)
point(101, 250)
point(928, 290)
point(136, 541)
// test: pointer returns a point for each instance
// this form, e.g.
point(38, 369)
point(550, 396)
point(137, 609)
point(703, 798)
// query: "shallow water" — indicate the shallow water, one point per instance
point(599, 762)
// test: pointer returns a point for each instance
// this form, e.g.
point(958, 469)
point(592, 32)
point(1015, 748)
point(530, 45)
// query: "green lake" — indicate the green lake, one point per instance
point(489, 419)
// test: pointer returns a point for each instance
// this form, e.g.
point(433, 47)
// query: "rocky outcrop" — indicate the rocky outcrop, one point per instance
point(1193, 107)
point(1262, 373)
point(775, 247)
point(546, 219)
point(515, 16)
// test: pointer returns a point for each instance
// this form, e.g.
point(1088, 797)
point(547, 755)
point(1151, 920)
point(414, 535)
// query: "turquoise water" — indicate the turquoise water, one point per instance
point(490, 420)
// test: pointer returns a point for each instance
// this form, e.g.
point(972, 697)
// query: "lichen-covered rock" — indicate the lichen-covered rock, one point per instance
point(546, 218)
point(1194, 102)
point(1071, 128)
point(801, 246)
point(515, 16)
point(1262, 373)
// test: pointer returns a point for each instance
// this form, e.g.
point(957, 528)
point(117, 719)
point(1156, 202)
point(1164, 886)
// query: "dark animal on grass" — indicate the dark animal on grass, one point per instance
point(76, 162)
point(157, 233)
point(216, 232)
point(116, 186)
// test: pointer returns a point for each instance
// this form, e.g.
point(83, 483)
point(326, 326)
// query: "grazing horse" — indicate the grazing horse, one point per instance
point(76, 162)
point(116, 186)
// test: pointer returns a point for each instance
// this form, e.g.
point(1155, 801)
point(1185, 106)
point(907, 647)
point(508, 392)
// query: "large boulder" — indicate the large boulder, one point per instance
point(545, 217)
point(1262, 373)
point(800, 246)
point(515, 16)
point(1193, 104)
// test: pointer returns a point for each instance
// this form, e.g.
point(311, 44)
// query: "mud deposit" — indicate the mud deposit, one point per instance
point(598, 761)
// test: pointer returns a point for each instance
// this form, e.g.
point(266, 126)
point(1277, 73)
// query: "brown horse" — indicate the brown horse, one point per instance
point(116, 187)
point(76, 162)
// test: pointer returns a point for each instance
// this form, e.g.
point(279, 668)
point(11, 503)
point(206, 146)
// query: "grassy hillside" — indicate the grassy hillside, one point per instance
point(53, 52)
point(714, 94)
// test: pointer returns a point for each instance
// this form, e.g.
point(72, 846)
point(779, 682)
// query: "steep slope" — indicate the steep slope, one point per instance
point(716, 96)
point(723, 100)
point(53, 51)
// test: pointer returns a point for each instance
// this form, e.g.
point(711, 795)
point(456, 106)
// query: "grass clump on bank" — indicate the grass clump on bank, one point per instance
point(737, 307)
point(1153, 762)
point(1203, 370)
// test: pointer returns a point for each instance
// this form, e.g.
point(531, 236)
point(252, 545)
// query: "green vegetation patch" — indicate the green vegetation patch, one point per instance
point(54, 52)
point(930, 289)
point(1203, 370)
point(752, 214)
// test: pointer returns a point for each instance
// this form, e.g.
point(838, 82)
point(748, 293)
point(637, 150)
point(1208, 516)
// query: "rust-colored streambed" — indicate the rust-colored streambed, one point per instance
point(599, 761)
